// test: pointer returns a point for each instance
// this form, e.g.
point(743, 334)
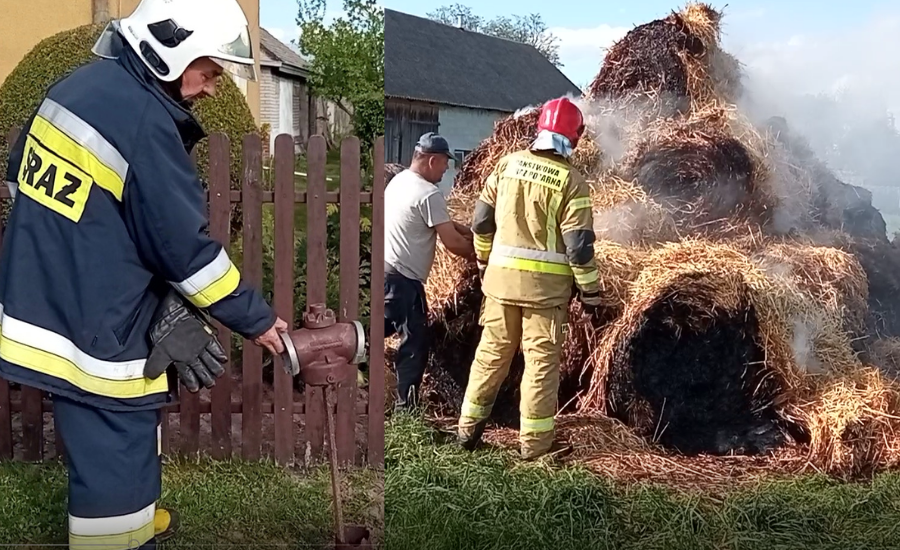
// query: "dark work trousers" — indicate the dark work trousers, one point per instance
point(115, 472)
point(405, 313)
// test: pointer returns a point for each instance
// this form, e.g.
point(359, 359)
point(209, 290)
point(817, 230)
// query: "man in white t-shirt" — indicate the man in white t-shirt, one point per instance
point(415, 215)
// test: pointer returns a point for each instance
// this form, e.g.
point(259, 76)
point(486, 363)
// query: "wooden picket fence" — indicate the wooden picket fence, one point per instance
point(299, 417)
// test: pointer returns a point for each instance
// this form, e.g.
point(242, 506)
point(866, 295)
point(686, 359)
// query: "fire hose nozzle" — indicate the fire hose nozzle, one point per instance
point(324, 352)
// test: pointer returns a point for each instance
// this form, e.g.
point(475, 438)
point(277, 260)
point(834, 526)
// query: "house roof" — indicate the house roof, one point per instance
point(283, 57)
point(428, 61)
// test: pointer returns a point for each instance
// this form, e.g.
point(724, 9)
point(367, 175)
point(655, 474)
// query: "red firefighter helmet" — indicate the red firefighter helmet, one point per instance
point(563, 117)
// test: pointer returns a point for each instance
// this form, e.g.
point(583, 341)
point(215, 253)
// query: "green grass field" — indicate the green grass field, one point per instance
point(442, 498)
point(221, 503)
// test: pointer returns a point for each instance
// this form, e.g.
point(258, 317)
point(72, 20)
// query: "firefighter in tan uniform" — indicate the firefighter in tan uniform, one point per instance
point(533, 236)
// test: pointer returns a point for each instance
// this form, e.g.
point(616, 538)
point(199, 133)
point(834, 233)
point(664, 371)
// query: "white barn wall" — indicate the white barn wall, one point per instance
point(464, 129)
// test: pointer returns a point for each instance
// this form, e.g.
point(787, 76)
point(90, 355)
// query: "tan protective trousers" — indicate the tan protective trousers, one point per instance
point(540, 332)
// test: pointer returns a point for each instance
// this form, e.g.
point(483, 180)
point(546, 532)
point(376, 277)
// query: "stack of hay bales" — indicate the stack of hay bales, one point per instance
point(731, 299)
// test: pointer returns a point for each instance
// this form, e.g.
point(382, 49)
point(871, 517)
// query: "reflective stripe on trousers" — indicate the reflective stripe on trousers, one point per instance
point(114, 468)
point(128, 531)
point(540, 332)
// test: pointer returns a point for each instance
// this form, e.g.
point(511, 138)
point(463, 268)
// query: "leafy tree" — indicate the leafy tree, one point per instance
point(347, 65)
point(528, 29)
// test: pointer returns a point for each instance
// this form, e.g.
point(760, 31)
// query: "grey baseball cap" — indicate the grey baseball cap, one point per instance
point(435, 144)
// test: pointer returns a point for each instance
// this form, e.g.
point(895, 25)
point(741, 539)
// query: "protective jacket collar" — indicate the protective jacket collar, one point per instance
point(190, 130)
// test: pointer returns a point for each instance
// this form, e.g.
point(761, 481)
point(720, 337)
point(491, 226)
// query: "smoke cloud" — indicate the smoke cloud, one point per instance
point(841, 93)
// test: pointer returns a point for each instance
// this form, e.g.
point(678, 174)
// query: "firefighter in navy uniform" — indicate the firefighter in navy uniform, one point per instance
point(107, 273)
point(533, 235)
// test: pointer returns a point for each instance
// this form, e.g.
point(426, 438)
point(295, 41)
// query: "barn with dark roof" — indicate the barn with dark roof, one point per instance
point(442, 78)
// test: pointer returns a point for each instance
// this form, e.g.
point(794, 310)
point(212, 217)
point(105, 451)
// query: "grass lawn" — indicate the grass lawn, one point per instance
point(439, 497)
point(223, 503)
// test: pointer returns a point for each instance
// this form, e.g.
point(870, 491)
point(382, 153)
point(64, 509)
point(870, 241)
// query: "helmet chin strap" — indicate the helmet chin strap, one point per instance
point(551, 141)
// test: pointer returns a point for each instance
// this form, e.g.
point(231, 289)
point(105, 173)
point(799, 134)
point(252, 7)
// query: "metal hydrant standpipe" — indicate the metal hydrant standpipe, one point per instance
point(324, 353)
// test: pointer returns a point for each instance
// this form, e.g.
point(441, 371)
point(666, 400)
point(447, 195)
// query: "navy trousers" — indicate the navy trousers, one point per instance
point(114, 467)
point(406, 314)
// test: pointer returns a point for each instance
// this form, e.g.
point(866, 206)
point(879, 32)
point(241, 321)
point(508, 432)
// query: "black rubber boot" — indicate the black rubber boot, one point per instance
point(470, 443)
point(558, 449)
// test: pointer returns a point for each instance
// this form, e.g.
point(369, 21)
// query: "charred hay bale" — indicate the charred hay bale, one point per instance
point(832, 203)
point(708, 180)
point(675, 60)
point(708, 348)
point(880, 260)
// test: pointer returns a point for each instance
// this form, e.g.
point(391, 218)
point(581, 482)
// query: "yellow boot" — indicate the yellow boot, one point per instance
point(165, 524)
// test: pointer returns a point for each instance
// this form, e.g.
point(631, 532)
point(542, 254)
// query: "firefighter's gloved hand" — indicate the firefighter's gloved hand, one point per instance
point(481, 269)
point(182, 336)
point(590, 302)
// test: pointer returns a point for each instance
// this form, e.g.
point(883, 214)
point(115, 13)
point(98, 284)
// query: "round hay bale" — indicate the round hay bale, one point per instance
point(684, 364)
point(710, 351)
point(707, 179)
point(852, 423)
point(880, 260)
point(831, 277)
point(673, 60)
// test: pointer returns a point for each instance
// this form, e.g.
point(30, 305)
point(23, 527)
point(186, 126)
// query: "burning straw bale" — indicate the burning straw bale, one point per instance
point(675, 60)
point(623, 213)
point(831, 277)
point(707, 350)
point(708, 179)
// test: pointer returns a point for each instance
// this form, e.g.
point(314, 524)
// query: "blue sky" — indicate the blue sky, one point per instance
point(795, 44)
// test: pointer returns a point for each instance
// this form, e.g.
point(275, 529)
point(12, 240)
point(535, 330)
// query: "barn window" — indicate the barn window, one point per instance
point(461, 155)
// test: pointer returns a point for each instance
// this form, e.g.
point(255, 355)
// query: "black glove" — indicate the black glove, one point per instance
point(184, 336)
point(590, 302)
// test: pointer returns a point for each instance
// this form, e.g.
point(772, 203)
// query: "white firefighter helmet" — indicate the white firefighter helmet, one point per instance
point(168, 35)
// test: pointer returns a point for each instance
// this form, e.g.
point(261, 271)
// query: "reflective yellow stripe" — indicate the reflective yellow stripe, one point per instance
point(482, 243)
point(78, 155)
point(552, 223)
point(531, 265)
point(585, 277)
point(211, 283)
point(535, 425)
point(474, 411)
point(579, 203)
point(44, 351)
point(112, 533)
point(60, 367)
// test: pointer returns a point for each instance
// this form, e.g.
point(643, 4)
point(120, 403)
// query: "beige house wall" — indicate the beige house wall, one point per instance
point(21, 28)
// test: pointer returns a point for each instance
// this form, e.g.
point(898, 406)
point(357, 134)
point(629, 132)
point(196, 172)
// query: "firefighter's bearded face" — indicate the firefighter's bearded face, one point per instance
point(200, 79)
